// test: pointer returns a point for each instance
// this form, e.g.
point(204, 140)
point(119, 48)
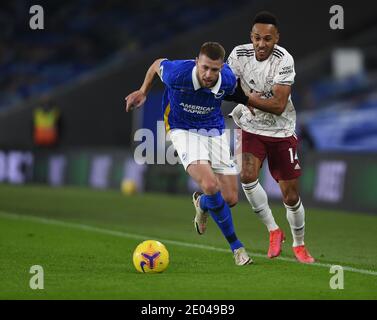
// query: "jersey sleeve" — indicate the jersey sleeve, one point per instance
point(167, 68)
point(286, 71)
point(237, 94)
point(230, 80)
point(234, 63)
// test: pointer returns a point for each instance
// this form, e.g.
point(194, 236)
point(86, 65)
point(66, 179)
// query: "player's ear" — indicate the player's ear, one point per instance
point(277, 36)
point(196, 61)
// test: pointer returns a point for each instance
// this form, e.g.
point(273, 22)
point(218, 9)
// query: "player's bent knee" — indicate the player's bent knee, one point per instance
point(248, 177)
point(291, 199)
point(210, 186)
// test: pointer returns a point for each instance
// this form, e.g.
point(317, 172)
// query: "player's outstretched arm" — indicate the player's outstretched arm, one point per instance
point(137, 98)
point(276, 104)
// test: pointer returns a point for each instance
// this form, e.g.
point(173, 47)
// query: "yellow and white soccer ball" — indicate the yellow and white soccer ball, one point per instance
point(128, 187)
point(151, 256)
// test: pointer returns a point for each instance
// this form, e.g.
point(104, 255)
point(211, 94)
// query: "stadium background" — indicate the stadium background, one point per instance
point(92, 53)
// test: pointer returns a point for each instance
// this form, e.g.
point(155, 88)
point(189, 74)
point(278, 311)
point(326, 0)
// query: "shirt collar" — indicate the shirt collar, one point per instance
point(215, 89)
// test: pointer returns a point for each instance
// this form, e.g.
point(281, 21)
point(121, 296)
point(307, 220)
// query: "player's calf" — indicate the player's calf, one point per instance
point(231, 199)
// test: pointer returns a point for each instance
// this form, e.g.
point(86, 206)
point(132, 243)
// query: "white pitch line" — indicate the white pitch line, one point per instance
point(172, 242)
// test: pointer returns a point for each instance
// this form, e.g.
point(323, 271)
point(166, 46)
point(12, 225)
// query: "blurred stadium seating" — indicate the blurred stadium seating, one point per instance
point(83, 35)
point(93, 52)
point(336, 112)
point(339, 115)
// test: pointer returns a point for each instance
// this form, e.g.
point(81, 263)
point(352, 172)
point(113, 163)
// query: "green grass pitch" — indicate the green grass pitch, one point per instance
point(84, 241)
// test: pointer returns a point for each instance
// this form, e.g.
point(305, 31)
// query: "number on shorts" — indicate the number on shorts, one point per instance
point(291, 155)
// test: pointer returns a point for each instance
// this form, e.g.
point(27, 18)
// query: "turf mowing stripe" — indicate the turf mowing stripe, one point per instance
point(172, 242)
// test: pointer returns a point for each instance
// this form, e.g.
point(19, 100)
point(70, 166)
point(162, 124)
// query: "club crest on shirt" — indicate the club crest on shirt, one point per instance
point(219, 94)
point(270, 80)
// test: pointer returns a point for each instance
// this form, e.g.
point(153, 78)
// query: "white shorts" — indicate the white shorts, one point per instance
point(192, 147)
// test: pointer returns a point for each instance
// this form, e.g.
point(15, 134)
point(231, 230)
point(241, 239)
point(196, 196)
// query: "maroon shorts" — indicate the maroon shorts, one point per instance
point(281, 154)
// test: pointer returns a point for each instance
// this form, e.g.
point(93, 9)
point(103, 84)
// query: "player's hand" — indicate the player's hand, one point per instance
point(251, 110)
point(253, 100)
point(135, 100)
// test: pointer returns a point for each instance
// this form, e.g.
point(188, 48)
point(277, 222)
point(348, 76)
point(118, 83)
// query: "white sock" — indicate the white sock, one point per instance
point(257, 198)
point(296, 219)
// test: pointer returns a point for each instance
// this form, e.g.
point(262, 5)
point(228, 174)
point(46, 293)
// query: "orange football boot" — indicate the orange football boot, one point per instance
point(302, 255)
point(277, 237)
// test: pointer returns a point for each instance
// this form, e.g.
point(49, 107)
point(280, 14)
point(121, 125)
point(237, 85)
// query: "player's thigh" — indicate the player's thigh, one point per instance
point(290, 191)
point(228, 185)
point(191, 147)
point(193, 152)
point(204, 176)
point(282, 157)
point(220, 155)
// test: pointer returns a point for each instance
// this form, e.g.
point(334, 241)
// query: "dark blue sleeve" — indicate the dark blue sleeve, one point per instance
point(168, 71)
point(230, 79)
point(238, 95)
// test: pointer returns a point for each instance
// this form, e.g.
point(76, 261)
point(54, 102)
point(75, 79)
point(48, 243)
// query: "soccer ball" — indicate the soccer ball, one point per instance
point(151, 256)
point(128, 187)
